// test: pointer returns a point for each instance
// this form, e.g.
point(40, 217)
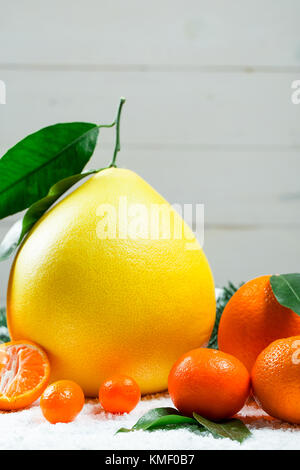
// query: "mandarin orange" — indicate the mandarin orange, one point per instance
point(252, 319)
point(276, 379)
point(211, 383)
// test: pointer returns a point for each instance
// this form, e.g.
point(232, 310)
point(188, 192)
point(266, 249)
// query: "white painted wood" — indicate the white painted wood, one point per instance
point(257, 189)
point(187, 109)
point(157, 33)
point(240, 255)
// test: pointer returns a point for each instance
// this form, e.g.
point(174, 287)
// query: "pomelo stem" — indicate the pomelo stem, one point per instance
point(117, 122)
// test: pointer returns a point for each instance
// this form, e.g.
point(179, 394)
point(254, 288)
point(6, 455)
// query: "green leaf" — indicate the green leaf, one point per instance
point(4, 335)
point(37, 162)
point(194, 428)
point(286, 288)
point(159, 418)
point(169, 419)
point(164, 421)
point(227, 293)
point(191, 427)
point(17, 232)
point(153, 415)
point(234, 429)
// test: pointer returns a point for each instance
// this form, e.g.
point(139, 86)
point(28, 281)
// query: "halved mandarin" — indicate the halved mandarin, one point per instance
point(24, 374)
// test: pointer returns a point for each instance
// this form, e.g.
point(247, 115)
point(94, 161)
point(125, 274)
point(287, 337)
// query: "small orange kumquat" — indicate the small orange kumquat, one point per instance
point(62, 401)
point(119, 394)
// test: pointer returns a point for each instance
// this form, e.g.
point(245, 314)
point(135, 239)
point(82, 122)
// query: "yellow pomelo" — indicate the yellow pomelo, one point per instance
point(101, 302)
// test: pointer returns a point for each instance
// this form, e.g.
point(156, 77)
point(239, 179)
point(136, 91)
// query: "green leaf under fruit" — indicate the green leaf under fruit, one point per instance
point(159, 418)
point(194, 428)
point(233, 429)
point(37, 162)
point(286, 288)
point(17, 232)
point(153, 415)
point(169, 419)
point(166, 420)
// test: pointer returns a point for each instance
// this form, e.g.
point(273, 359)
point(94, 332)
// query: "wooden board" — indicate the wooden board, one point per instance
point(189, 110)
point(161, 33)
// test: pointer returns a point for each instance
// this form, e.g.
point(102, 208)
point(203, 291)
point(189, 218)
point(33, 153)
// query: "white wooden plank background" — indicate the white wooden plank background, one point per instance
point(208, 118)
point(197, 33)
point(166, 108)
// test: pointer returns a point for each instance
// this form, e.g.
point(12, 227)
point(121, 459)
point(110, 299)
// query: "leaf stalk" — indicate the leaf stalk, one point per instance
point(117, 123)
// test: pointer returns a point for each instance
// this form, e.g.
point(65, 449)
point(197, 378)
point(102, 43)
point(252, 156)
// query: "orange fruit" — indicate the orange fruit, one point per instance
point(252, 319)
point(24, 374)
point(276, 379)
point(62, 401)
point(211, 383)
point(119, 394)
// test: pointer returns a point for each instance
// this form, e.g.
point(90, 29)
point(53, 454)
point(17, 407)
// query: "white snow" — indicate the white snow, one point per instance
point(95, 429)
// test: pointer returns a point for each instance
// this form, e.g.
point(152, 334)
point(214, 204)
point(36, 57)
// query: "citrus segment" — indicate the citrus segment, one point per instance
point(24, 374)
